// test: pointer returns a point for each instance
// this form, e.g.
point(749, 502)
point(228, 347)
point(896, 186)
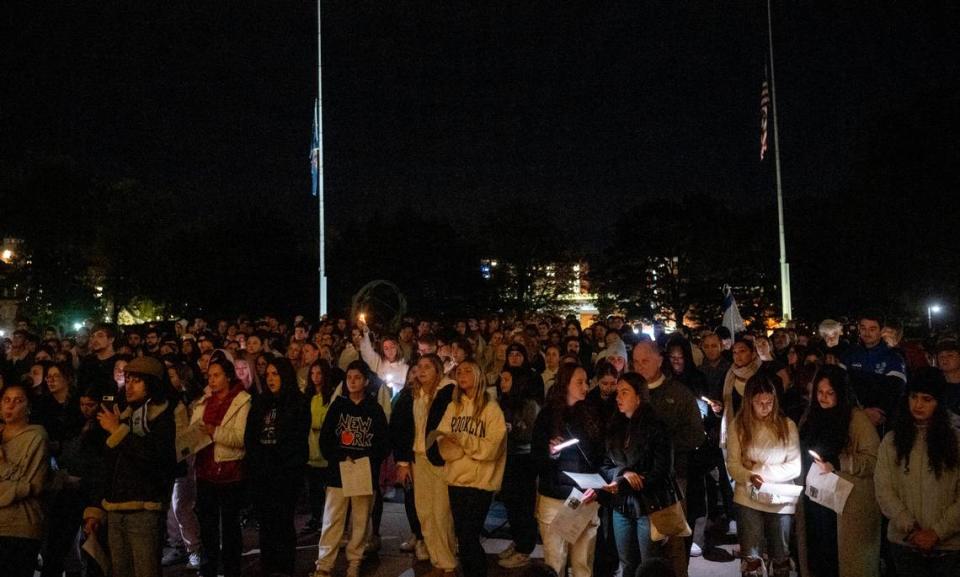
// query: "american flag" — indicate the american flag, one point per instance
point(764, 103)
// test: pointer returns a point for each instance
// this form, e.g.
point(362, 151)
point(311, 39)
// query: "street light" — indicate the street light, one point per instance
point(932, 310)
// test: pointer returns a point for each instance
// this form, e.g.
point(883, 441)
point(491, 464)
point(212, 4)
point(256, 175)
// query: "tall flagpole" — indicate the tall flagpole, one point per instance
point(319, 116)
point(784, 265)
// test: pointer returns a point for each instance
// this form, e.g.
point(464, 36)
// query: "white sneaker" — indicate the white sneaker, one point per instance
point(514, 561)
point(194, 560)
point(421, 550)
point(695, 550)
point(409, 545)
point(508, 552)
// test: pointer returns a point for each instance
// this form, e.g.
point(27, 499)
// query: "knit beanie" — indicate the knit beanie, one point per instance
point(929, 381)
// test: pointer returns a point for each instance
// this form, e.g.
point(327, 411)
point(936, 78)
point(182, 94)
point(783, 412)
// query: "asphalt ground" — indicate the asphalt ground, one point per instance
point(391, 562)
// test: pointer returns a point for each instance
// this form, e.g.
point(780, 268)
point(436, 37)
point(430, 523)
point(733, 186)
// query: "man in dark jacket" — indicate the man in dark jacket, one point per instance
point(140, 460)
point(676, 407)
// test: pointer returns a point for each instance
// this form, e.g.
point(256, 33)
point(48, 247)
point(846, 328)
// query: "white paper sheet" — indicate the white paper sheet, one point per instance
point(830, 490)
point(776, 493)
point(192, 441)
point(587, 480)
point(356, 477)
point(574, 517)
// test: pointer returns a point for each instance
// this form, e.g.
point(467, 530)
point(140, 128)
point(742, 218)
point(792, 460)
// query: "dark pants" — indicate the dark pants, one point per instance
point(821, 530)
point(18, 556)
point(376, 514)
point(317, 491)
point(469, 507)
point(912, 563)
point(410, 508)
point(218, 509)
point(519, 494)
point(276, 503)
point(67, 510)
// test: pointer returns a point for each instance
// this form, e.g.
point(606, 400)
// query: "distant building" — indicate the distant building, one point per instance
point(13, 262)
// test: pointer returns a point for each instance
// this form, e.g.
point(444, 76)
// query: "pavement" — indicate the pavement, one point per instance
point(391, 562)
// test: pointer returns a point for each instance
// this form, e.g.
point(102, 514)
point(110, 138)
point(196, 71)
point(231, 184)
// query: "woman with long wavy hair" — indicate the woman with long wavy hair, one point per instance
point(566, 417)
point(918, 481)
point(763, 447)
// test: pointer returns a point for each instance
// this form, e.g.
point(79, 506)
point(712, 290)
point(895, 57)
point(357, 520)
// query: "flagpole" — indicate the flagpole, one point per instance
point(784, 265)
point(319, 117)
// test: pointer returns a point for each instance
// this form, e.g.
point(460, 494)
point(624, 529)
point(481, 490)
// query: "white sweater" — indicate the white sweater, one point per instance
point(773, 460)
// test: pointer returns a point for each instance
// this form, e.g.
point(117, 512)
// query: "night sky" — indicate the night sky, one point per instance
point(459, 108)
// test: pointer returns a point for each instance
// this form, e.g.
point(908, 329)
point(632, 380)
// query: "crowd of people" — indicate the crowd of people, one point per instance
point(829, 452)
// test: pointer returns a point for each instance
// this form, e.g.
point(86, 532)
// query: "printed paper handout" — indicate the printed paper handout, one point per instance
point(830, 490)
point(356, 477)
point(574, 517)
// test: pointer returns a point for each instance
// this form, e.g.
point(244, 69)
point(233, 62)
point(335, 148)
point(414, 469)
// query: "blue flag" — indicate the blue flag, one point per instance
point(315, 159)
point(731, 314)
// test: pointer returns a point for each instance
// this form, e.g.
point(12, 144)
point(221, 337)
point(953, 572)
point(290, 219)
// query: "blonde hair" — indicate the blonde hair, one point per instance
point(480, 398)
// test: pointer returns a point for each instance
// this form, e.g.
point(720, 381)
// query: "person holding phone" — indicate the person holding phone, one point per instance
point(566, 416)
point(141, 462)
point(837, 437)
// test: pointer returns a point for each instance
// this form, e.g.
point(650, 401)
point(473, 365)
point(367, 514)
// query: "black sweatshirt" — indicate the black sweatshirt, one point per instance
point(354, 430)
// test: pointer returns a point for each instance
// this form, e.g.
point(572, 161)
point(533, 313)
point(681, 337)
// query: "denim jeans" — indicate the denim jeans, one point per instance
point(910, 562)
point(136, 538)
point(758, 527)
point(633, 542)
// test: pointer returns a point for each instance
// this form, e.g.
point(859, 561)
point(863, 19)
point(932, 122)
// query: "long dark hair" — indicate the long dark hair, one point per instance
point(556, 402)
point(326, 387)
point(289, 390)
point(621, 427)
point(827, 431)
point(942, 451)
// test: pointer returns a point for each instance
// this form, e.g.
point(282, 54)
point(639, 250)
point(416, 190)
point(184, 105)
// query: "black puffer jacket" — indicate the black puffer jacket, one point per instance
point(640, 445)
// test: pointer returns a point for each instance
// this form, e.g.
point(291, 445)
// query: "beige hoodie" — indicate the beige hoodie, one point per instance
point(23, 472)
point(484, 443)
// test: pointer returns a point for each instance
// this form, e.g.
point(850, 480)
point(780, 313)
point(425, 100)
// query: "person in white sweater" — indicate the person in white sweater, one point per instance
point(474, 447)
point(763, 458)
